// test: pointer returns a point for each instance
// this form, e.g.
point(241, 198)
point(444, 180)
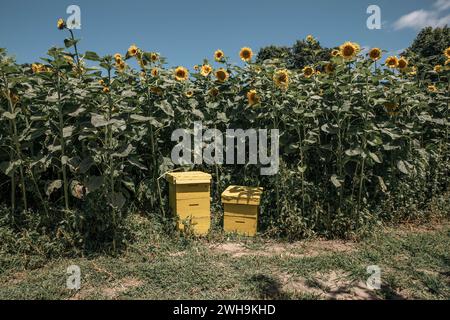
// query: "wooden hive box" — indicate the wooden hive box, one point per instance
point(189, 199)
point(241, 209)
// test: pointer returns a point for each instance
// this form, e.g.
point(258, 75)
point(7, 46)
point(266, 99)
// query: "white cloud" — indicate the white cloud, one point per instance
point(425, 18)
point(442, 5)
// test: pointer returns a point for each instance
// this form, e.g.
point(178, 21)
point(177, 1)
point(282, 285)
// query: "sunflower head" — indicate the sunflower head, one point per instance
point(105, 90)
point(412, 71)
point(156, 90)
point(181, 74)
point(329, 68)
point(310, 38)
point(101, 82)
point(218, 55)
point(246, 54)
point(281, 78)
point(154, 72)
point(132, 50)
point(308, 71)
point(14, 98)
point(447, 52)
point(222, 75)
point(335, 53)
point(38, 68)
point(437, 68)
point(154, 57)
point(391, 108)
point(205, 70)
point(375, 54)
point(189, 93)
point(118, 57)
point(252, 97)
point(392, 62)
point(213, 92)
point(120, 66)
point(402, 64)
point(349, 50)
point(432, 88)
point(61, 24)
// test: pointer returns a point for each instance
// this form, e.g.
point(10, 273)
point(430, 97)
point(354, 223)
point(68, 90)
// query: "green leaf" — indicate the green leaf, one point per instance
point(117, 200)
point(124, 152)
point(167, 108)
point(375, 157)
point(336, 181)
point(94, 183)
point(402, 167)
point(90, 55)
point(98, 120)
point(152, 120)
point(53, 186)
point(67, 131)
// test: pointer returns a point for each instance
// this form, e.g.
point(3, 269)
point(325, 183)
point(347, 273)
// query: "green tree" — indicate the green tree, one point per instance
point(427, 49)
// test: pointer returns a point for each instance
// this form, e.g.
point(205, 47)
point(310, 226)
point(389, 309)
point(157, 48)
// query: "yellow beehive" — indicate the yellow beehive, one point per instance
point(189, 199)
point(241, 209)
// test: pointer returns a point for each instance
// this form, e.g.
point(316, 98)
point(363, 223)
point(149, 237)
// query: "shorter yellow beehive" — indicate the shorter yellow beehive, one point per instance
point(189, 199)
point(241, 209)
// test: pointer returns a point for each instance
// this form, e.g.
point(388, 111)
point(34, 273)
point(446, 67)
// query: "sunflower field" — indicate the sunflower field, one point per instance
point(86, 140)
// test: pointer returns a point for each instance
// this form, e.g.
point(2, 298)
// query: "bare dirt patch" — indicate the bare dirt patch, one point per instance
point(122, 286)
point(299, 249)
point(335, 285)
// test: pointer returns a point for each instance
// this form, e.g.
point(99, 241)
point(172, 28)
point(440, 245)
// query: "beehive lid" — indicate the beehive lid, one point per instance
point(242, 195)
point(189, 177)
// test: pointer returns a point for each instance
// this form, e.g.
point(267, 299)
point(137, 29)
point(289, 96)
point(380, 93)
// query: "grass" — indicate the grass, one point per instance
point(414, 262)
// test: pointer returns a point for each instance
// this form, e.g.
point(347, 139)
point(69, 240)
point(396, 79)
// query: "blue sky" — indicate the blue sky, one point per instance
point(187, 31)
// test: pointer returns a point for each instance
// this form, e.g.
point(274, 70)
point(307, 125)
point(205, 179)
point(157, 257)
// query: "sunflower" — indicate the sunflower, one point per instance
point(61, 24)
point(432, 88)
point(206, 70)
point(118, 57)
point(309, 38)
point(105, 89)
point(437, 68)
point(349, 50)
point(218, 55)
point(154, 57)
point(156, 90)
point(412, 71)
point(375, 54)
point(222, 75)
point(213, 92)
point(246, 54)
point(447, 52)
point(402, 64)
point(335, 53)
point(101, 82)
point(154, 72)
point(391, 108)
point(281, 78)
point(181, 74)
point(252, 97)
point(38, 68)
point(189, 93)
point(308, 71)
point(329, 68)
point(132, 50)
point(120, 66)
point(68, 59)
point(392, 62)
point(14, 98)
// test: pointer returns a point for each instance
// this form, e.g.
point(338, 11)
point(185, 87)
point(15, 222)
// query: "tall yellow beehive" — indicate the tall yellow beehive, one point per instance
point(189, 198)
point(241, 209)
